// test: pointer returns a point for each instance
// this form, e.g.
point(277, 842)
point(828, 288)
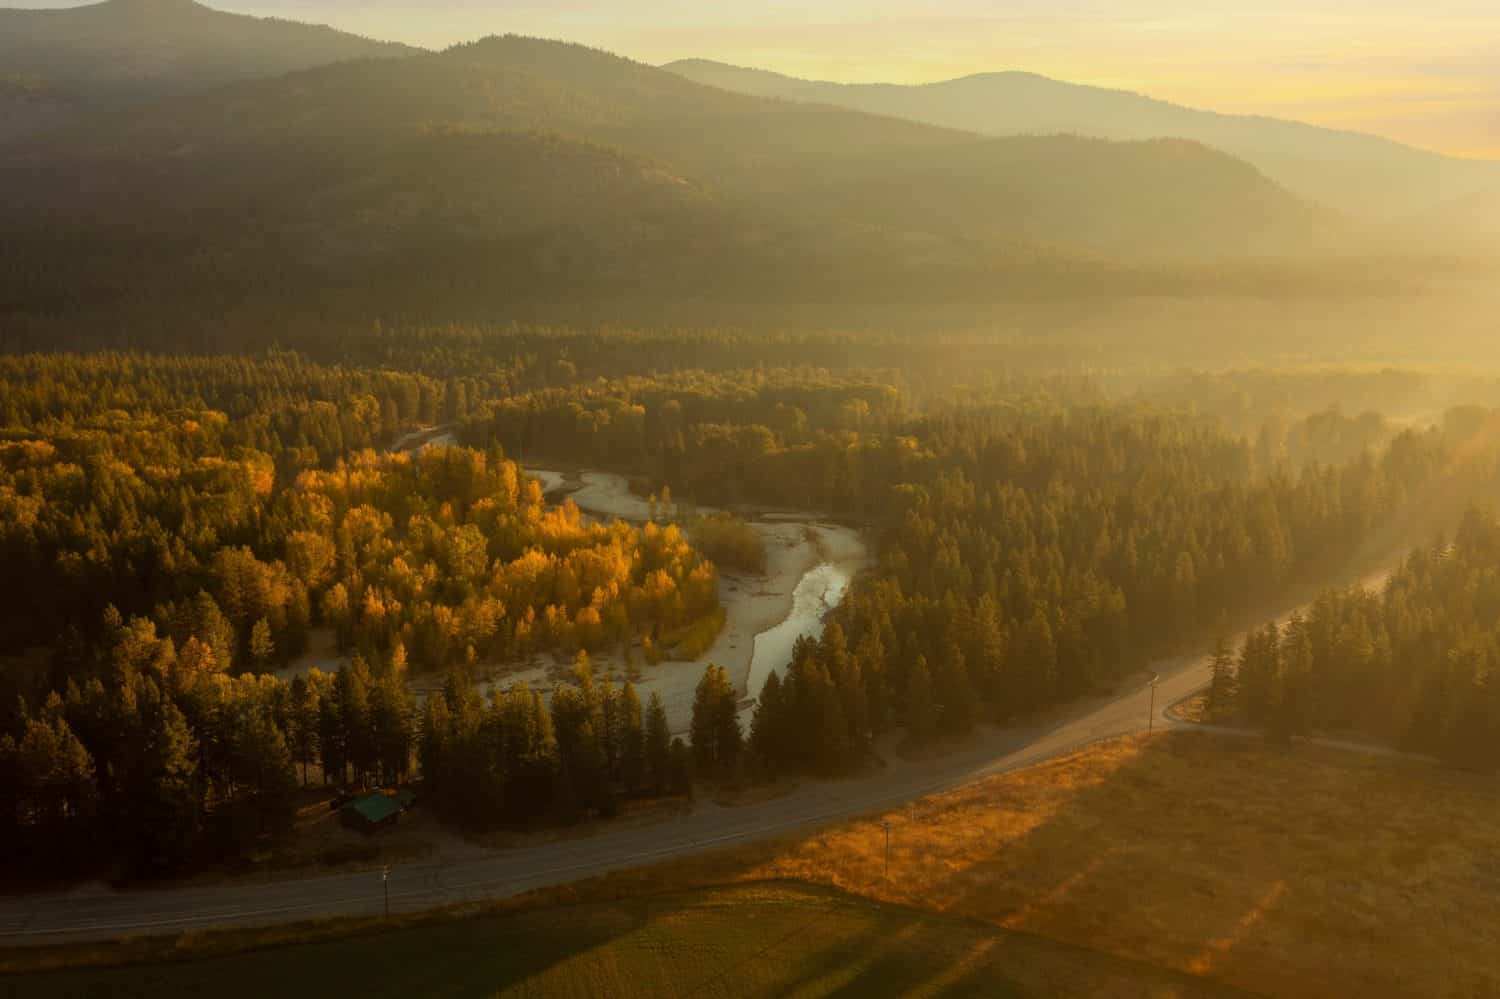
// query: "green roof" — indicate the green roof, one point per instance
point(377, 807)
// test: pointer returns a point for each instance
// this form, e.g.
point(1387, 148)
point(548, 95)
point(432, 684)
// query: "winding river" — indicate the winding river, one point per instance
point(810, 565)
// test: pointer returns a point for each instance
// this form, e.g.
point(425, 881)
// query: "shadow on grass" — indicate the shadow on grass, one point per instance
point(1228, 860)
point(761, 939)
point(461, 957)
point(1102, 865)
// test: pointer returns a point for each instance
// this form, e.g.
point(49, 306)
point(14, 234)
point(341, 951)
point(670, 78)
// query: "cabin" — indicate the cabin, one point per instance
point(376, 810)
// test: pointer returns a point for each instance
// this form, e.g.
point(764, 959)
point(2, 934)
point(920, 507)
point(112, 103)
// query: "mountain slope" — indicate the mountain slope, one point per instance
point(504, 83)
point(518, 167)
point(121, 51)
point(845, 167)
point(1130, 200)
point(1360, 174)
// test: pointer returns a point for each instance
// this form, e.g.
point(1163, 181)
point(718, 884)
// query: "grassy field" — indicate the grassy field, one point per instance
point(752, 940)
point(1178, 865)
point(1298, 872)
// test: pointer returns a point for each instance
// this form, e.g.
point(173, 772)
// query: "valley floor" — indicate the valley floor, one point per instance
point(1182, 864)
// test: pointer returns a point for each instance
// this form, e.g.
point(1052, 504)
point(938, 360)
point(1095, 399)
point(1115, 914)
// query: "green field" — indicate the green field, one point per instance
point(752, 940)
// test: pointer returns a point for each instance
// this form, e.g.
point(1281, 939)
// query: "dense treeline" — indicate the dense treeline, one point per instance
point(516, 758)
point(161, 762)
point(774, 436)
point(1416, 664)
point(1032, 551)
point(152, 758)
point(164, 555)
point(992, 599)
point(1243, 400)
point(513, 759)
point(821, 438)
point(178, 526)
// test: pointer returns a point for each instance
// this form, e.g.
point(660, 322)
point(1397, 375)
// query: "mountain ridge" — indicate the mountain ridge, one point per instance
point(518, 167)
point(108, 55)
point(1366, 175)
point(743, 147)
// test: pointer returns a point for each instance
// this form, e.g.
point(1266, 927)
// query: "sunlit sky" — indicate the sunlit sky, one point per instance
point(1425, 73)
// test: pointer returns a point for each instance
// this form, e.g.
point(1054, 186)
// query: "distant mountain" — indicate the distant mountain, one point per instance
point(121, 51)
point(1361, 174)
point(517, 167)
point(496, 84)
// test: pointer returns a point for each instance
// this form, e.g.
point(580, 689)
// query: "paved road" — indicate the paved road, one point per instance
point(102, 914)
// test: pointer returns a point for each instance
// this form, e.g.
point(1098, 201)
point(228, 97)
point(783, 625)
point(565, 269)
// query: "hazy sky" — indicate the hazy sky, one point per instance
point(1426, 73)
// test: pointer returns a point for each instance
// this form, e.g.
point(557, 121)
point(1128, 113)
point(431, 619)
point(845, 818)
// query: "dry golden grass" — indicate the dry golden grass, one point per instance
point(1303, 872)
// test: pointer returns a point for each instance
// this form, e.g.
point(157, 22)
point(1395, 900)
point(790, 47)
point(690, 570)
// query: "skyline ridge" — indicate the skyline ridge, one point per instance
point(979, 75)
point(1426, 82)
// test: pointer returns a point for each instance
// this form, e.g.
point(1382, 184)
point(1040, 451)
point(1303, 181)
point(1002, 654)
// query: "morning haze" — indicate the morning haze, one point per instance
point(1427, 77)
point(639, 499)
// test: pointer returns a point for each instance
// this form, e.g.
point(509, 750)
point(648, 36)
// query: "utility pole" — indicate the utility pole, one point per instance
point(385, 881)
point(1151, 718)
point(887, 826)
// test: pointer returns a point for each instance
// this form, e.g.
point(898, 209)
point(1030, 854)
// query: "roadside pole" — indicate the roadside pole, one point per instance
point(385, 881)
point(1151, 718)
point(887, 826)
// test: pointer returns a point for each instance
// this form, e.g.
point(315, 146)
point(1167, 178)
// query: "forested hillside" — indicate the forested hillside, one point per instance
point(515, 170)
point(111, 54)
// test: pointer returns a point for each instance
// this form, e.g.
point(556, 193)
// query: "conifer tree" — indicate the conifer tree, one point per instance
point(768, 725)
point(352, 684)
point(921, 708)
point(631, 739)
point(1223, 689)
point(658, 745)
point(715, 731)
point(954, 692)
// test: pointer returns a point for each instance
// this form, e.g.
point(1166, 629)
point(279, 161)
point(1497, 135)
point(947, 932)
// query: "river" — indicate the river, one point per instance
point(810, 564)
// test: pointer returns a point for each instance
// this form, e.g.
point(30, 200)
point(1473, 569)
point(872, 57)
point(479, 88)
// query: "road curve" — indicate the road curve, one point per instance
point(102, 914)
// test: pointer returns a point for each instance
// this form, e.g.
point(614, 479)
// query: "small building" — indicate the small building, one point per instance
point(376, 810)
